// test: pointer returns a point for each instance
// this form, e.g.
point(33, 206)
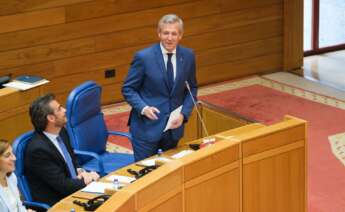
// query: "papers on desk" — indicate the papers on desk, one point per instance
point(97, 187)
point(24, 86)
point(182, 154)
point(173, 116)
point(152, 162)
point(121, 179)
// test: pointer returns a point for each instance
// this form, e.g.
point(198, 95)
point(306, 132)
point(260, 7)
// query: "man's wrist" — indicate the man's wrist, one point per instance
point(80, 170)
point(143, 110)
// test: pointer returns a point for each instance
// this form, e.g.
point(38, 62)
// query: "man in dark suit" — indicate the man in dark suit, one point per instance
point(50, 165)
point(155, 86)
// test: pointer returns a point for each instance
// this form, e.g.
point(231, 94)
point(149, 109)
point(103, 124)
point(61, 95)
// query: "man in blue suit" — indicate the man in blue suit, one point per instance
point(156, 85)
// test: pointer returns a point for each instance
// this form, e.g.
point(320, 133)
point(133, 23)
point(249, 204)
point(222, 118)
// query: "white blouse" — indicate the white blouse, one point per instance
point(11, 199)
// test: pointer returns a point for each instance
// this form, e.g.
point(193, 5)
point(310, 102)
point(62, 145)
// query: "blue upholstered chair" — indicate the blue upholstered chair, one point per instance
point(19, 146)
point(88, 133)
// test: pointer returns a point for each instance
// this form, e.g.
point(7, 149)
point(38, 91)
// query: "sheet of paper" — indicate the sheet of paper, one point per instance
point(97, 187)
point(173, 116)
point(24, 86)
point(121, 179)
point(152, 162)
point(182, 154)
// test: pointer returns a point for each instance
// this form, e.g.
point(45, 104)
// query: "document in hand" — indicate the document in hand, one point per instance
point(173, 115)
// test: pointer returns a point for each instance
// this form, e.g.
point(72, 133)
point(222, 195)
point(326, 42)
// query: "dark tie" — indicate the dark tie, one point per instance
point(67, 157)
point(170, 70)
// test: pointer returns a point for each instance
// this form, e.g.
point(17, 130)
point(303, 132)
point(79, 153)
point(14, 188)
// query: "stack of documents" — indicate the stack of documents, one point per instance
point(23, 85)
point(152, 162)
point(97, 187)
point(182, 154)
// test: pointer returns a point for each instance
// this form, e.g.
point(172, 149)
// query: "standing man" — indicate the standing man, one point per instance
point(49, 164)
point(156, 85)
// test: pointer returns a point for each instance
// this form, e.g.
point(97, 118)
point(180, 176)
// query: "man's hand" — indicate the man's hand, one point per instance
point(176, 123)
point(88, 177)
point(150, 112)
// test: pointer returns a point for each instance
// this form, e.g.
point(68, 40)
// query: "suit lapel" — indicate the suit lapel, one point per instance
point(52, 147)
point(160, 62)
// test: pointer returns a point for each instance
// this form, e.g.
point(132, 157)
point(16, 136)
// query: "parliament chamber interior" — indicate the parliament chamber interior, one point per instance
point(265, 133)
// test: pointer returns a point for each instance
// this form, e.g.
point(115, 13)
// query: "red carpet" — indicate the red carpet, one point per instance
point(118, 122)
point(326, 175)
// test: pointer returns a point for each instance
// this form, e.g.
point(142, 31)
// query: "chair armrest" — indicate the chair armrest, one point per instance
point(128, 135)
point(94, 155)
point(36, 204)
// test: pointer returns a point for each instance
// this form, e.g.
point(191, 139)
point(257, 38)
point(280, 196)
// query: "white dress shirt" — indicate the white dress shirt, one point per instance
point(52, 138)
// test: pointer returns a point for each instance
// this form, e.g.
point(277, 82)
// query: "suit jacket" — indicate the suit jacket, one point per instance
point(12, 185)
point(147, 84)
point(46, 170)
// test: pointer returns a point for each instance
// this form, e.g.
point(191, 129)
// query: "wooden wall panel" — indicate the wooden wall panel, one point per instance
point(92, 27)
point(77, 40)
point(286, 194)
point(220, 72)
point(32, 20)
point(293, 34)
point(217, 194)
point(101, 8)
point(12, 7)
point(44, 53)
point(232, 5)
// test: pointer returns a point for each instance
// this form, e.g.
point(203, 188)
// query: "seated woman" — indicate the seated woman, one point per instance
point(9, 193)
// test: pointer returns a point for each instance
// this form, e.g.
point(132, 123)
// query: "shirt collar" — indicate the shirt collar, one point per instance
point(164, 51)
point(50, 135)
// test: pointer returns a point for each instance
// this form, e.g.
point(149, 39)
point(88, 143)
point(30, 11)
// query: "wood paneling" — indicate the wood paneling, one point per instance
point(220, 72)
point(11, 7)
point(293, 34)
point(32, 20)
point(217, 194)
point(69, 42)
point(101, 8)
point(232, 5)
point(274, 180)
point(102, 25)
point(204, 165)
point(44, 53)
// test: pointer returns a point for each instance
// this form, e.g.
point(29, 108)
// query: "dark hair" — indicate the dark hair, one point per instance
point(39, 110)
point(4, 145)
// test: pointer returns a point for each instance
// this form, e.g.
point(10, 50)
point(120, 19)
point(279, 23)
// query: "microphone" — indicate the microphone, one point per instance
point(196, 107)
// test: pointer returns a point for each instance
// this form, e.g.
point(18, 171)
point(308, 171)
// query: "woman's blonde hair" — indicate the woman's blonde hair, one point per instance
point(4, 145)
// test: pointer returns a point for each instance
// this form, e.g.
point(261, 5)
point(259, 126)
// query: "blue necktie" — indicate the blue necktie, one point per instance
point(170, 70)
point(67, 157)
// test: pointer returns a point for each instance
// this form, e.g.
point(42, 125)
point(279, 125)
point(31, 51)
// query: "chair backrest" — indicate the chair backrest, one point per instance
point(85, 121)
point(19, 146)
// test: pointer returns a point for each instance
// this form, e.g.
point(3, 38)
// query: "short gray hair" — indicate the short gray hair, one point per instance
point(170, 19)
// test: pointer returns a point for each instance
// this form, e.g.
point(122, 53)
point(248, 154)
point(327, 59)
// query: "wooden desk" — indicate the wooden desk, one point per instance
point(251, 168)
point(14, 107)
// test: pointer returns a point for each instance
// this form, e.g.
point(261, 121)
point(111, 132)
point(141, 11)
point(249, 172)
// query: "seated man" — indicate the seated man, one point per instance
point(50, 165)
